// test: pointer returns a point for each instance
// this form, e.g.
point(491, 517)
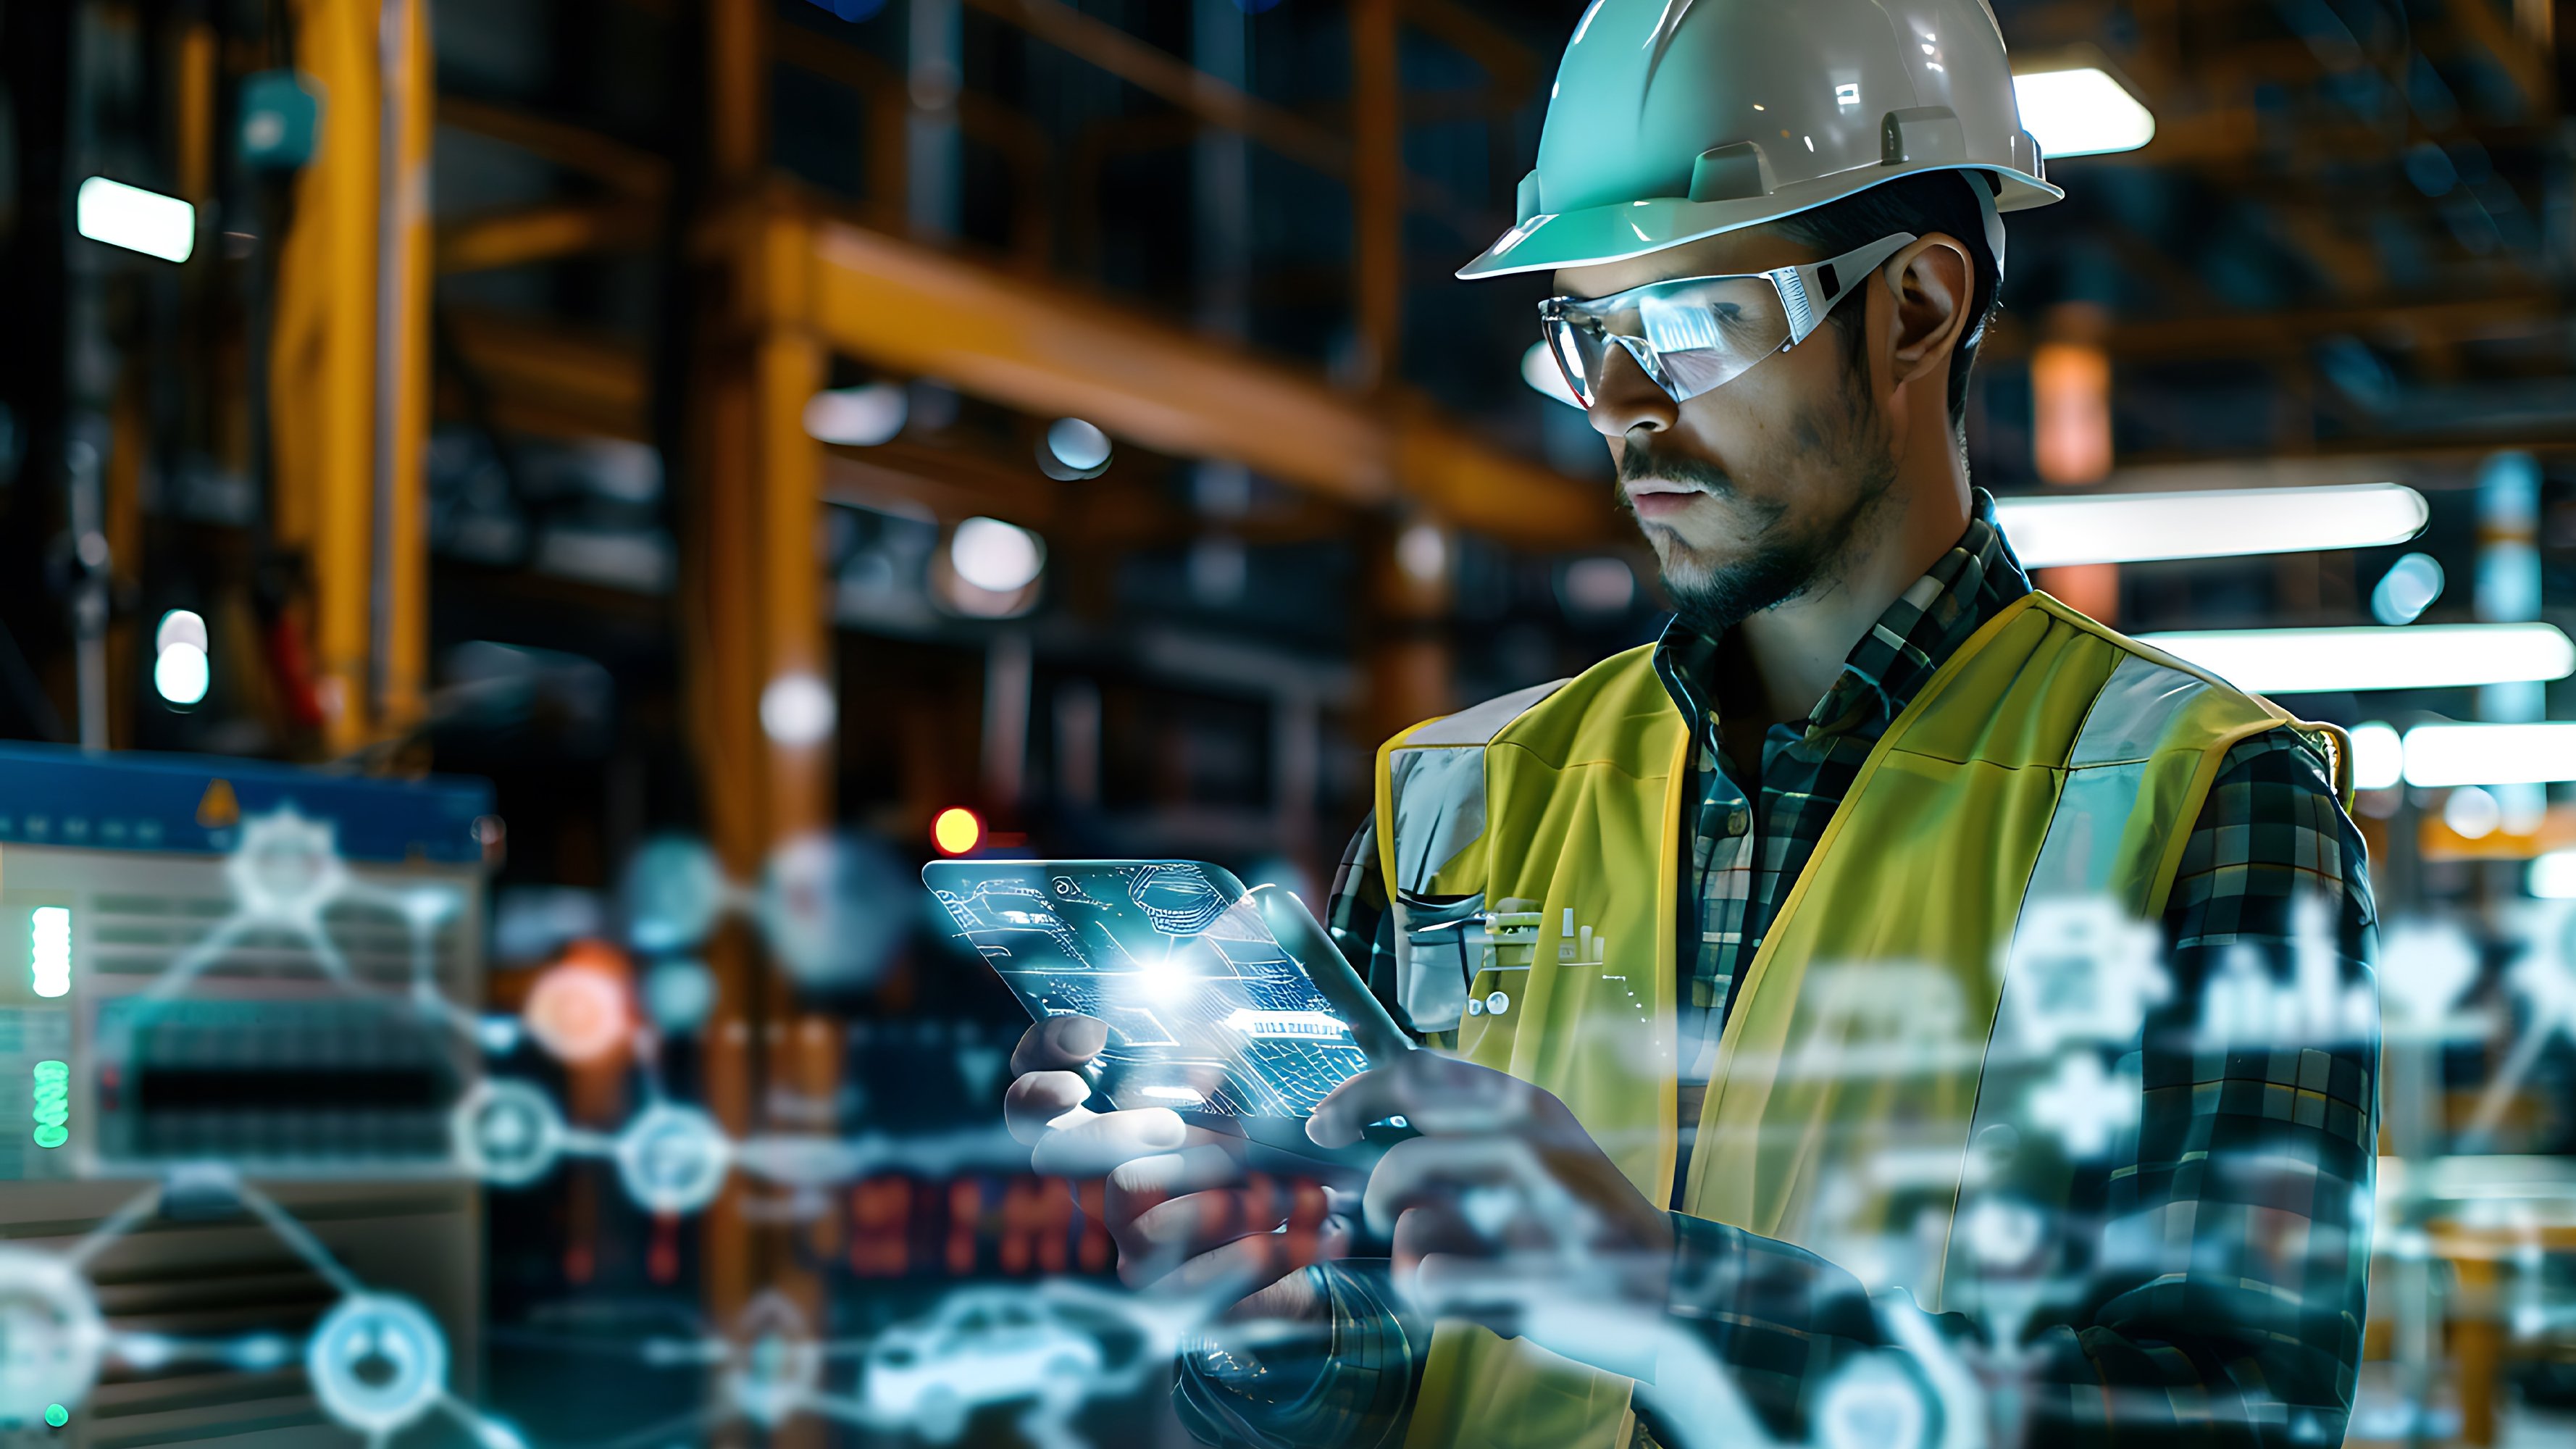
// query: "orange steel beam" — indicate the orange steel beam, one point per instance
point(554, 381)
point(1377, 189)
point(1044, 351)
point(622, 167)
point(542, 234)
point(1160, 73)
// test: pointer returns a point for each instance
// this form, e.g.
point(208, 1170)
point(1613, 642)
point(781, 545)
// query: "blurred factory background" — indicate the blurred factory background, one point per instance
point(697, 459)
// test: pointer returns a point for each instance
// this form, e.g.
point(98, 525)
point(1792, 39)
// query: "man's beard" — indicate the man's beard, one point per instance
point(1782, 560)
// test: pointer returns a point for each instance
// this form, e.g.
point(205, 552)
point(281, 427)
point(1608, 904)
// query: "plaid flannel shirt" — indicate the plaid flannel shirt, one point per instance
point(2215, 1263)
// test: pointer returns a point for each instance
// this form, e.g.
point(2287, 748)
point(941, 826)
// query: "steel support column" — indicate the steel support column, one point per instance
point(752, 616)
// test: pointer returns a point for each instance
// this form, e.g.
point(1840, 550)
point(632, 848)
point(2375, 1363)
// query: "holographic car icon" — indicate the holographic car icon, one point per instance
point(981, 1347)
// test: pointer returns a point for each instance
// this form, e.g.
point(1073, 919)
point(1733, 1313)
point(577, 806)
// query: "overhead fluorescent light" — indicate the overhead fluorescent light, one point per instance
point(2421, 656)
point(2552, 877)
point(136, 219)
point(2209, 523)
point(2082, 111)
point(2445, 755)
point(2378, 756)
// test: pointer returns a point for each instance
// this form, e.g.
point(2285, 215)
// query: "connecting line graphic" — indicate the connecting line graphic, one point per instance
point(672, 1157)
point(284, 874)
point(2548, 986)
point(377, 1362)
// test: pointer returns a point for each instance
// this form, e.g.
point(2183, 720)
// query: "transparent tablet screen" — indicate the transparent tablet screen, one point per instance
point(1206, 1010)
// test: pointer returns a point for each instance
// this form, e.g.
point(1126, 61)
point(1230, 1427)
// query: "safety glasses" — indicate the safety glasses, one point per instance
point(1696, 333)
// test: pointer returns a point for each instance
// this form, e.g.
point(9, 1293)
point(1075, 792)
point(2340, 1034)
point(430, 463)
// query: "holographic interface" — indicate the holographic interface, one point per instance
point(1206, 1009)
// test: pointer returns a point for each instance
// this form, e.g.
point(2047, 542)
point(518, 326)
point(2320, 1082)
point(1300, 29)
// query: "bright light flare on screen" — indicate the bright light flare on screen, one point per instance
point(136, 219)
point(2212, 523)
point(2419, 656)
point(2082, 112)
point(49, 939)
point(956, 831)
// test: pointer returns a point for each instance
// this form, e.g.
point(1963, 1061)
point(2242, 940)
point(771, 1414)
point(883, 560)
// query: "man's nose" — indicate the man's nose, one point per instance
point(1626, 399)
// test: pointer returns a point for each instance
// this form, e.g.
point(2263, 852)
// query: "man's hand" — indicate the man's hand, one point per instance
point(1504, 1211)
point(1177, 1199)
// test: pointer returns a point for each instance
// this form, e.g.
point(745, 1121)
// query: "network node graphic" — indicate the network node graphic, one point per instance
point(507, 1132)
point(675, 892)
point(822, 901)
point(773, 1365)
point(377, 1362)
point(672, 1158)
point(51, 1335)
point(680, 995)
point(577, 1011)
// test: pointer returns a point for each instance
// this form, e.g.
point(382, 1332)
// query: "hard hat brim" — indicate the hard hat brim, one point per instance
point(1619, 232)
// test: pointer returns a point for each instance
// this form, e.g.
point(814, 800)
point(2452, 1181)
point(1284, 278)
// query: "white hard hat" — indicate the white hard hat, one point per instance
point(1673, 120)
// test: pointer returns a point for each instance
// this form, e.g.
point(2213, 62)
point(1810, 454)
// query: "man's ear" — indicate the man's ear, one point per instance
point(1933, 285)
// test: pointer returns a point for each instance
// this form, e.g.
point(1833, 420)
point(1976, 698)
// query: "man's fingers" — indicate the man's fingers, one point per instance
point(1287, 1220)
point(1435, 1094)
point(1493, 1181)
point(1245, 1265)
point(1144, 1182)
point(1059, 1043)
point(1091, 1145)
point(1432, 1231)
point(1035, 1101)
point(1372, 1096)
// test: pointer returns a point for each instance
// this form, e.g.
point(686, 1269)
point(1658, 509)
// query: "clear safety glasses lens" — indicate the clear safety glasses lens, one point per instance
point(1688, 336)
point(1698, 333)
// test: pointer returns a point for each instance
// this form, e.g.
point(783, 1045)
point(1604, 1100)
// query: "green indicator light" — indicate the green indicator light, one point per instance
point(53, 1104)
point(57, 1415)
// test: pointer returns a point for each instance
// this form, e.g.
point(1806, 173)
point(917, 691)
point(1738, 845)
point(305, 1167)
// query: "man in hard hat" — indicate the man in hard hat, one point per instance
point(1823, 994)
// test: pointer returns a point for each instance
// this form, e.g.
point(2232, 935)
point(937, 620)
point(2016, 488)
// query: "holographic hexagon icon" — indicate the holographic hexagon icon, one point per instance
point(674, 893)
point(51, 1335)
point(2082, 970)
point(1177, 897)
point(1873, 1404)
point(506, 1132)
point(773, 1365)
point(832, 907)
point(673, 1158)
point(287, 867)
point(377, 1361)
point(2003, 1232)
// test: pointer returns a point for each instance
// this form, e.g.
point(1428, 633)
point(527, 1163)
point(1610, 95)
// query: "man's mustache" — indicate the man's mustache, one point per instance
point(1638, 464)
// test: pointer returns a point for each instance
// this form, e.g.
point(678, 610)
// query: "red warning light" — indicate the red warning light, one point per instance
point(956, 831)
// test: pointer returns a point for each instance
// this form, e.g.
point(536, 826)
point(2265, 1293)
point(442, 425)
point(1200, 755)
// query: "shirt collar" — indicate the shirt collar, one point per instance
point(1898, 654)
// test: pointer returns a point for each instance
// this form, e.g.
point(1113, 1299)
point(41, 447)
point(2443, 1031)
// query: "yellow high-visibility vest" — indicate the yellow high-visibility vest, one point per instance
point(2050, 760)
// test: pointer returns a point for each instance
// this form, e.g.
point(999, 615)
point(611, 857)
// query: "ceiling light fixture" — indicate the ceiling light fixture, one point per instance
point(2420, 656)
point(2047, 532)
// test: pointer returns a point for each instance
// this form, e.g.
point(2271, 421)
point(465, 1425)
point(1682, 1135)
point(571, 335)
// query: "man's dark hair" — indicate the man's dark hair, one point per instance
point(1925, 202)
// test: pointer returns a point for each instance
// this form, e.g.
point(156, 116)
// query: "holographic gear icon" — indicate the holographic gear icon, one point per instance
point(287, 868)
point(377, 1362)
point(506, 1132)
point(673, 1158)
point(51, 1335)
